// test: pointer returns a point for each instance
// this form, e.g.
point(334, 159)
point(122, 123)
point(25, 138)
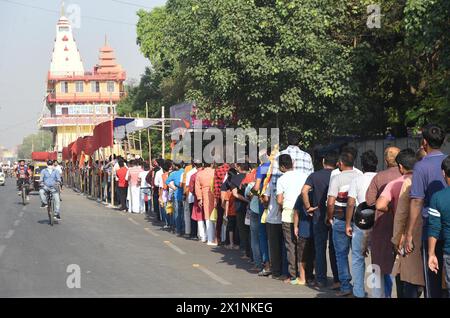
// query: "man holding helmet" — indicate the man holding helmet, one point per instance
point(50, 181)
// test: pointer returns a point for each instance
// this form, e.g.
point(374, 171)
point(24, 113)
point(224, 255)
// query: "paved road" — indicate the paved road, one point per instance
point(119, 255)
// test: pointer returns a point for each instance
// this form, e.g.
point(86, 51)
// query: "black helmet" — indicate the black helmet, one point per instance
point(364, 216)
point(49, 162)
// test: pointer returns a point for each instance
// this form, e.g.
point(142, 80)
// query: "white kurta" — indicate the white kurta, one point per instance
point(134, 199)
point(144, 191)
point(133, 195)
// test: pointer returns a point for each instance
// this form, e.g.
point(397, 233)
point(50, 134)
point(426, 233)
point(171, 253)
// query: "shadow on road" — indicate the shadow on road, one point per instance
point(234, 259)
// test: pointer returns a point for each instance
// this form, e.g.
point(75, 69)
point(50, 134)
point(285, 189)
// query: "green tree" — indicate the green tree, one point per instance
point(427, 26)
point(308, 65)
point(41, 141)
point(271, 59)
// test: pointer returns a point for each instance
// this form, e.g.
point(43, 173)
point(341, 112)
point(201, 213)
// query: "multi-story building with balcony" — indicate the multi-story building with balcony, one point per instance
point(77, 100)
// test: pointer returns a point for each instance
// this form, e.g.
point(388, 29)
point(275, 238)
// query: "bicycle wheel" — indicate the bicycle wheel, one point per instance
point(24, 195)
point(53, 211)
point(50, 211)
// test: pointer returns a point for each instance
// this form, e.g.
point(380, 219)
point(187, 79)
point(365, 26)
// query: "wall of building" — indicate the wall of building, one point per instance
point(87, 88)
point(67, 134)
point(88, 93)
point(378, 145)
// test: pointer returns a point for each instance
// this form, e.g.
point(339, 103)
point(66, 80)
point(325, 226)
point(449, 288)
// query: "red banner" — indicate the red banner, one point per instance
point(82, 158)
point(103, 137)
point(75, 147)
point(66, 153)
point(103, 134)
point(90, 145)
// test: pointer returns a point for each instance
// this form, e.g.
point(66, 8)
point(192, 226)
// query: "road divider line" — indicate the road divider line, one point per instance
point(216, 277)
point(174, 247)
point(9, 234)
point(151, 232)
point(2, 248)
point(133, 221)
point(16, 222)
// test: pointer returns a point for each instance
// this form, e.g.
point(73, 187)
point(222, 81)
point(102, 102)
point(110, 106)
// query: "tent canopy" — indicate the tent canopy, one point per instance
point(122, 121)
point(131, 125)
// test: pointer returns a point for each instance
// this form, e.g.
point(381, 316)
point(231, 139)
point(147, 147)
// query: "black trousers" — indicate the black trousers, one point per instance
point(156, 204)
point(123, 197)
point(244, 233)
point(220, 212)
point(194, 225)
point(275, 238)
point(410, 290)
point(433, 282)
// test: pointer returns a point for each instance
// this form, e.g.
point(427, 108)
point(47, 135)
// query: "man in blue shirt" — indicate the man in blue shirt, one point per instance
point(261, 174)
point(50, 181)
point(174, 182)
point(427, 180)
point(305, 245)
point(317, 185)
point(439, 226)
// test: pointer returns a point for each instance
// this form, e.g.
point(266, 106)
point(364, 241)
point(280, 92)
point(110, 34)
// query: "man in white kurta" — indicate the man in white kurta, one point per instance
point(134, 188)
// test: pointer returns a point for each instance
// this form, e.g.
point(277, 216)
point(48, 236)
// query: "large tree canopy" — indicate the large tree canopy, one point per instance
point(309, 65)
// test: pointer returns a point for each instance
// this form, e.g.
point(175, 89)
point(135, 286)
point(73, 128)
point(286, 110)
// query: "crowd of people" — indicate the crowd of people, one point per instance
point(287, 219)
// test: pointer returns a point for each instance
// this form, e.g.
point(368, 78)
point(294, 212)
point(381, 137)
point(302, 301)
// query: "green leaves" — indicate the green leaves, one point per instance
point(41, 141)
point(298, 63)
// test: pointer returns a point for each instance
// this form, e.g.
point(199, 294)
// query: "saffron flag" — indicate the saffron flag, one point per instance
point(90, 145)
point(66, 153)
point(103, 134)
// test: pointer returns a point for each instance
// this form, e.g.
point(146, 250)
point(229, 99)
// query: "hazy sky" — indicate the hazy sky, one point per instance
point(27, 33)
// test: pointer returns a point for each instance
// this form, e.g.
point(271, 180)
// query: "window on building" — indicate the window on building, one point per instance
point(64, 87)
point(65, 110)
point(101, 109)
point(79, 86)
point(95, 87)
point(110, 86)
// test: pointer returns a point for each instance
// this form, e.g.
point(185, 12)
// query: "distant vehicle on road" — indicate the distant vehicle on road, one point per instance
point(38, 167)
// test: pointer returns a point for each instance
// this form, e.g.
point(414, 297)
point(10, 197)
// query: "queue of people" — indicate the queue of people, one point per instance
point(292, 222)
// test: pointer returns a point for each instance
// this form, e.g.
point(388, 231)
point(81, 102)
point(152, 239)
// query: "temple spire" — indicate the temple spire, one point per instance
point(66, 59)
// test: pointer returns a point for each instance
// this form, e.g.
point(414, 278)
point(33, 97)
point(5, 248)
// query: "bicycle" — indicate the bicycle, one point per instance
point(51, 207)
point(23, 192)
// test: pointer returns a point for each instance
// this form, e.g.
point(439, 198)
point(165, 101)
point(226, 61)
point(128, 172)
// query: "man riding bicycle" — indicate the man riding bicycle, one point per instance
point(23, 175)
point(50, 181)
